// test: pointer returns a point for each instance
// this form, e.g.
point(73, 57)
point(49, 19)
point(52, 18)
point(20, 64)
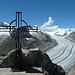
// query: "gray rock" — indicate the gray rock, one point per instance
point(24, 59)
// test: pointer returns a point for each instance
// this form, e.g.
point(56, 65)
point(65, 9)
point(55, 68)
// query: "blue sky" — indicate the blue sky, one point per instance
point(37, 12)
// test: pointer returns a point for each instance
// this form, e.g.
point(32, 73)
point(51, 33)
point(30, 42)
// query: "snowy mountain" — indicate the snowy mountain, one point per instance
point(3, 24)
point(71, 36)
point(59, 32)
point(3, 35)
point(54, 30)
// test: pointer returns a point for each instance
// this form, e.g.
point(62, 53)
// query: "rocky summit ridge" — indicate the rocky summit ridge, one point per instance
point(25, 60)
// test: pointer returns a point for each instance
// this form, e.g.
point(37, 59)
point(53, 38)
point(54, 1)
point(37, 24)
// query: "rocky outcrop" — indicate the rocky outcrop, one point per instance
point(24, 59)
point(72, 71)
point(71, 37)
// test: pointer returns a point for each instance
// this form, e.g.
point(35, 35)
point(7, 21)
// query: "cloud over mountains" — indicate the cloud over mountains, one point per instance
point(48, 23)
point(48, 26)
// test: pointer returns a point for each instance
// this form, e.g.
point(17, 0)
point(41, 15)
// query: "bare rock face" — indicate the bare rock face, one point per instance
point(24, 59)
point(72, 71)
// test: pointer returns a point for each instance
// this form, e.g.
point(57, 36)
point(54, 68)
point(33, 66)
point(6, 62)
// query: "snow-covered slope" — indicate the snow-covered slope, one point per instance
point(71, 36)
point(59, 32)
point(4, 24)
point(3, 35)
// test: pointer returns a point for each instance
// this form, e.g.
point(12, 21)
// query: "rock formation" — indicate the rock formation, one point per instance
point(24, 59)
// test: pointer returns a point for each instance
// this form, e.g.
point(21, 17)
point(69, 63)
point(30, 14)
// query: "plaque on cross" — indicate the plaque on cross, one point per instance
point(18, 29)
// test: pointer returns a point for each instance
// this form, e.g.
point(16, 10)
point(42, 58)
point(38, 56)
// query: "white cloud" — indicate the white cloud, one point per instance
point(48, 26)
point(48, 23)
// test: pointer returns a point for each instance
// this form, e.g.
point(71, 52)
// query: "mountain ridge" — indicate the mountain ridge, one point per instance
point(71, 36)
point(31, 40)
point(59, 32)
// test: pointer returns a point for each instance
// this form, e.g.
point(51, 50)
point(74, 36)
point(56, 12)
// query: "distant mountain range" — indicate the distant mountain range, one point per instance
point(3, 35)
point(3, 24)
point(60, 32)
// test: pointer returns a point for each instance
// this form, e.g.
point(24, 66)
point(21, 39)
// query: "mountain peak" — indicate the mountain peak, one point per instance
point(3, 24)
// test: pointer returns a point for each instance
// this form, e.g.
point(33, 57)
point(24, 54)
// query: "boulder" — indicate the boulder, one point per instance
point(24, 59)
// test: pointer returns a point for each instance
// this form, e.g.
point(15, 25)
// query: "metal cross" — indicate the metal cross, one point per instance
point(18, 29)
